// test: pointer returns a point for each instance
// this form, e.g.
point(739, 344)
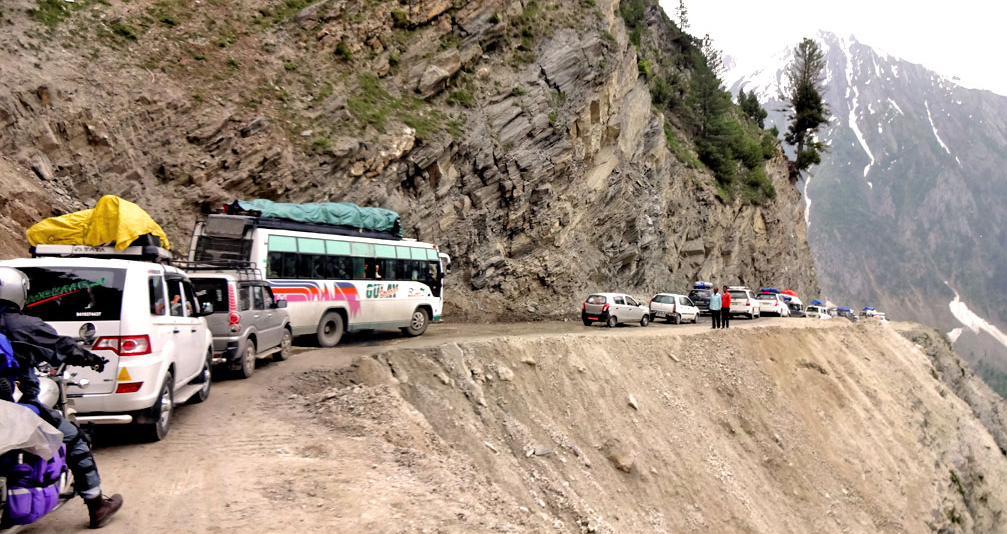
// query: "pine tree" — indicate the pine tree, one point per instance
point(714, 58)
point(683, 15)
point(750, 105)
point(804, 77)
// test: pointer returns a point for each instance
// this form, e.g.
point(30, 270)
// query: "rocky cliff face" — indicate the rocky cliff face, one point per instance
point(519, 136)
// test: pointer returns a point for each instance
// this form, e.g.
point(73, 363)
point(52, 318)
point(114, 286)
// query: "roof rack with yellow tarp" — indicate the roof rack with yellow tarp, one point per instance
point(112, 221)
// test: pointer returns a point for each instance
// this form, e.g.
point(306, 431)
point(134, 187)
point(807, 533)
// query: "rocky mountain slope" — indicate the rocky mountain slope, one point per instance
point(829, 427)
point(518, 135)
point(907, 208)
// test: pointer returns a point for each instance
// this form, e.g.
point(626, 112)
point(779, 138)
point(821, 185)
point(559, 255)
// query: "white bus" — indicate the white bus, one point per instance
point(332, 282)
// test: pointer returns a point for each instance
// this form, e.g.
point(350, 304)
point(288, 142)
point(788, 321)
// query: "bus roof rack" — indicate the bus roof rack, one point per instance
point(137, 252)
point(234, 226)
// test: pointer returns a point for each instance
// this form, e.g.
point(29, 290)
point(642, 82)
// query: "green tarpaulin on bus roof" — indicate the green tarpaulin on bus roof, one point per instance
point(337, 213)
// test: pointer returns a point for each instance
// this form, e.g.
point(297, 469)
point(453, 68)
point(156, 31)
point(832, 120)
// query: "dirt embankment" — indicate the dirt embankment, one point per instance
point(832, 429)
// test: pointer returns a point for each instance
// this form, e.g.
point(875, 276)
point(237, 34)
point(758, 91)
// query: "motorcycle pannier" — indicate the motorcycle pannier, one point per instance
point(33, 485)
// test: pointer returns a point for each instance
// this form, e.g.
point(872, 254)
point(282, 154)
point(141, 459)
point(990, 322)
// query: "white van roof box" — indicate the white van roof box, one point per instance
point(137, 253)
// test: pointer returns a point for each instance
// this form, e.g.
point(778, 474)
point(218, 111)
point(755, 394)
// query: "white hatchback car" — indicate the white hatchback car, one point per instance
point(773, 303)
point(673, 307)
point(140, 315)
point(613, 309)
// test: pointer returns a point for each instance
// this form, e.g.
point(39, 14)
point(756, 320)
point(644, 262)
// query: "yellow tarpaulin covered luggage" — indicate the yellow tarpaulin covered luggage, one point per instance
point(112, 220)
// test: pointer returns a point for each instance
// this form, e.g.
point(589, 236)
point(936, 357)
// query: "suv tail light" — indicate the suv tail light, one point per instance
point(584, 306)
point(604, 308)
point(748, 302)
point(233, 319)
point(124, 345)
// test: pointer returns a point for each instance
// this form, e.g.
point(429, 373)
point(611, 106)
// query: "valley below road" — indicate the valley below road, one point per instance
point(775, 425)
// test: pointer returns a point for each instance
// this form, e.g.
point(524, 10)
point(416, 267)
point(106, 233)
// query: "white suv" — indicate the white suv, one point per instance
point(675, 308)
point(773, 303)
point(140, 315)
point(743, 302)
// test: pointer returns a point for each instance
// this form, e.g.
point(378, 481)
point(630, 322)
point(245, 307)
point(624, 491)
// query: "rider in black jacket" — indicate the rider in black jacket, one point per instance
point(55, 349)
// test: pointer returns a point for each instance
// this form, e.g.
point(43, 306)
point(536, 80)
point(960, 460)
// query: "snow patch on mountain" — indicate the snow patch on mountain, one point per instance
point(845, 47)
point(896, 106)
point(955, 333)
point(926, 104)
point(973, 322)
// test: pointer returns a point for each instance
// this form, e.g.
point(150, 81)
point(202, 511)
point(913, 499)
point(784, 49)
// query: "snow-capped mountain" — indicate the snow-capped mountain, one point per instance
point(911, 200)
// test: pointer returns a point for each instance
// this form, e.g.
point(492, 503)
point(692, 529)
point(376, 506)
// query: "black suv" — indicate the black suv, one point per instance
point(701, 298)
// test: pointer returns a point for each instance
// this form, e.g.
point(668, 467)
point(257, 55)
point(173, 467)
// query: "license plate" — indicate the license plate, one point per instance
point(593, 318)
point(659, 314)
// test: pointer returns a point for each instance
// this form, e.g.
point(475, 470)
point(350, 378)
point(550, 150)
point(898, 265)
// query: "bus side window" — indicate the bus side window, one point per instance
point(389, 269)
point(358, 268)
point(311, 266)
point(371, 269)
point(289, 265)
point(338, 268)
point(275, 265)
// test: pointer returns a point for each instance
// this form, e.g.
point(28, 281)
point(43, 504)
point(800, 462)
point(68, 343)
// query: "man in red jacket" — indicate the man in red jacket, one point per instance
point(725, 312)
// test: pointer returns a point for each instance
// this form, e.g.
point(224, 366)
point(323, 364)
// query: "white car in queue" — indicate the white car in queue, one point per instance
point(743, 302)
point(673, 307)
point(141, 315)
point(613, 309)
point(773, 303)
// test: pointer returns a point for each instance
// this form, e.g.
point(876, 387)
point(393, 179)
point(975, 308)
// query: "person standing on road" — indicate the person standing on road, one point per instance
point(725, 312)
point(715, 308)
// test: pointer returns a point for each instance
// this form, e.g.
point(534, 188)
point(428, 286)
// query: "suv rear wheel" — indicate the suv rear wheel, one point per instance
point(162, 410)
point(205, 379)
point(247, 363)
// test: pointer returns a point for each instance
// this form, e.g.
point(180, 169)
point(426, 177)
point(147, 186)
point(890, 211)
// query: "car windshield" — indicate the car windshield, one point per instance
point(212, 290)
point(74, 294)
point(596, 299)
point(664, 299)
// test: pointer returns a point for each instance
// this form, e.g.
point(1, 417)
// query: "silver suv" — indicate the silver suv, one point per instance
point(248, 323)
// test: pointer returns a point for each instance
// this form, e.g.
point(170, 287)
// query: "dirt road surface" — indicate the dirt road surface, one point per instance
point(252, 460)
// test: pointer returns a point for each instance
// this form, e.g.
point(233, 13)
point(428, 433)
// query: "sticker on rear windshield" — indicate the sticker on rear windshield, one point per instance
point(56, 292)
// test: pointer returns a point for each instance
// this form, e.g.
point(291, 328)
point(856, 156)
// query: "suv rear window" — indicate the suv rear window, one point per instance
point(699, 294)
point(738, 295)
point(74, 294)
point(767, 296)
point(664, 299)
point(596, 299)
point(212, 290)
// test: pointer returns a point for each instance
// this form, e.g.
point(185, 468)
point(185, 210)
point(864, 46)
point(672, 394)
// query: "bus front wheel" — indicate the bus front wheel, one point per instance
point(330, 329)
point(418, 322)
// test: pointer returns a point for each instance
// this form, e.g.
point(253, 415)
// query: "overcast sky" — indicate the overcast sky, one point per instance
point(963, 38)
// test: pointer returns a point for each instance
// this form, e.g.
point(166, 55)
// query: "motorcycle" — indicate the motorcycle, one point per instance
point(52, 384)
